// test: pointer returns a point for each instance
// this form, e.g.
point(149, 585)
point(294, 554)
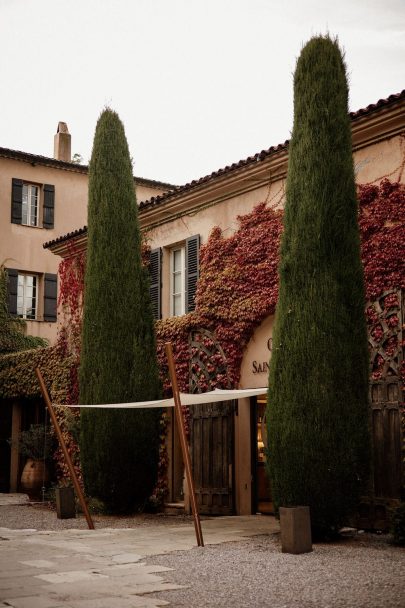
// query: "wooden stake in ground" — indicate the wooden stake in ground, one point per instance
point(66, 454)
point(183, 443)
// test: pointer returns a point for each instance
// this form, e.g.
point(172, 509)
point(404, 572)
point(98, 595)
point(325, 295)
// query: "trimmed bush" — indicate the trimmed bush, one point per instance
point(318, 384)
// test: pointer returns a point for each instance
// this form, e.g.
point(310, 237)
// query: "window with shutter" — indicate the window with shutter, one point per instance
point(50, 297)
point(191, 271)
point(22, 294)
point(27, 200)
point(155, 270)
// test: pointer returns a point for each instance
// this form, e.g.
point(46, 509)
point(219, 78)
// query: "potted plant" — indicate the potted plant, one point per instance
point(37, 445)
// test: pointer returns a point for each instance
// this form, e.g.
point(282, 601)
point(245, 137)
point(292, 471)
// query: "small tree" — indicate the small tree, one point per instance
point(119, 448)
point(318, 383)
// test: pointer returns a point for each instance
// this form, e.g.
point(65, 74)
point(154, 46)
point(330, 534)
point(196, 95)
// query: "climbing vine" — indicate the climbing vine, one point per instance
point(381, 221)
point(382, 213)
point(237, 290)
point(70, 303)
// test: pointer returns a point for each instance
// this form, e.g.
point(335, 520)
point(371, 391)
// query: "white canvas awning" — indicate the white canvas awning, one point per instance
point(185, 398)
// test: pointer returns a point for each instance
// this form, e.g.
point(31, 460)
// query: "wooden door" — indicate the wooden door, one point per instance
point(386, 425)
point(212, 448)
point(385, 318)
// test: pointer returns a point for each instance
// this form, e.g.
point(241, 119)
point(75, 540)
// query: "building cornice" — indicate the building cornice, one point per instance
point(271, 166)
point(379, 121)
point(44, 161)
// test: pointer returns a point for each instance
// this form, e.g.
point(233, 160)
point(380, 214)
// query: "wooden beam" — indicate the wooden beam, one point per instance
point(183, 442)
point(66, 454)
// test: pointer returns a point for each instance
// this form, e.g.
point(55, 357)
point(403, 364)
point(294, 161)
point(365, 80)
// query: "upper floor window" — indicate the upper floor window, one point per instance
point(27, 296)
point(177, 283)
point(180, 266)
point(32, 205)
point(30, 200)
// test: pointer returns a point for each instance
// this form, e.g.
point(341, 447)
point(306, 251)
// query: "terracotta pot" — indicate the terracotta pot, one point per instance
point(35, 474)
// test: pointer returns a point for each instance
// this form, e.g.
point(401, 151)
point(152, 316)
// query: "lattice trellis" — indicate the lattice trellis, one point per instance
point(385, 318)
point(208, 366)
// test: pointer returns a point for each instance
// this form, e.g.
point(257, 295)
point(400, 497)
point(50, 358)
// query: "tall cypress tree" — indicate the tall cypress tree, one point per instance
point(119, 448)
point(318, 382)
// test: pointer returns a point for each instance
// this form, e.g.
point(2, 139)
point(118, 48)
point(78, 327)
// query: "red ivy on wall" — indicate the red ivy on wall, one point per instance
point(70, 303)
point(381, 221)
point(238, 284)
point(236, 291)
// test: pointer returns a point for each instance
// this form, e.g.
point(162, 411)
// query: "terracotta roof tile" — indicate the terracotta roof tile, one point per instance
point(156, 200)
point(260, 156)
point(37, 159)
point(66, 237)
point(379, 104)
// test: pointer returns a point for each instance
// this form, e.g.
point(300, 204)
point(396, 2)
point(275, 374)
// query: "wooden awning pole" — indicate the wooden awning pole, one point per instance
point(183, 443)
point(66, 454)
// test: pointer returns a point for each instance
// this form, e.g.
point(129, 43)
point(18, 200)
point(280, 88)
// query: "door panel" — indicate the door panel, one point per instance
point(212, 441)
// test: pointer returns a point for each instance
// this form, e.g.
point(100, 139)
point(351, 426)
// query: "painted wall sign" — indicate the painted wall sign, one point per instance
point(255, 364)
point(262, 367)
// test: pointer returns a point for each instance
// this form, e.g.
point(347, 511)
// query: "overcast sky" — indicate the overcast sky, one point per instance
point(198, 84)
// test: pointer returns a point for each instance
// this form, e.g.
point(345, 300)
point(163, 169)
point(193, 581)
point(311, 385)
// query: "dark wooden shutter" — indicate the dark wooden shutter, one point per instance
point(16, 201)
point(192, 270)
point(49, 206)
point(50, 297)
point(155, 270)
point(12, 288)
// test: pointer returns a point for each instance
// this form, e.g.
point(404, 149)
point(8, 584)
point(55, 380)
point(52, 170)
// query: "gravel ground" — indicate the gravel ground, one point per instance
point(42, 516)
point(363, 571)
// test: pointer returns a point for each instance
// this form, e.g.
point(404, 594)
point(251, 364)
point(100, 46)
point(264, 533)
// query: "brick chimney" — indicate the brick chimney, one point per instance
point(62, 143)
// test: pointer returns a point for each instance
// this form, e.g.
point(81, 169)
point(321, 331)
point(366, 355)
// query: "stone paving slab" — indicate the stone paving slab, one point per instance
point(103, 568)
point(7, 500)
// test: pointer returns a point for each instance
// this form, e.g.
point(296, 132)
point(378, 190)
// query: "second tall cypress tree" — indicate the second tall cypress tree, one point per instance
point(119, 448)
point(318, 383)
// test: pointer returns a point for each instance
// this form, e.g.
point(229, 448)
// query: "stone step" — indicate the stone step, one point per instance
point(173, 508)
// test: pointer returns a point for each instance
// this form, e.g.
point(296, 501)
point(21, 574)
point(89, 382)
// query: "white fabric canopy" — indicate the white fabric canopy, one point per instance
point(185, 399)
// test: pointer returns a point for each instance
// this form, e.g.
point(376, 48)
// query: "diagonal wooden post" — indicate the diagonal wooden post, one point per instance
point(62, 443)
point(183, 443)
